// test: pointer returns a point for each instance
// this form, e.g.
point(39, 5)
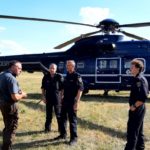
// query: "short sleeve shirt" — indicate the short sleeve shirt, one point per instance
point(72, 83)
point(139, 89)
point(8, 85)
point(52, 86)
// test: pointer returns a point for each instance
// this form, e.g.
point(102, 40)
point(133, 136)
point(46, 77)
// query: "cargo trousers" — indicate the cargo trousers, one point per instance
point(10, 117)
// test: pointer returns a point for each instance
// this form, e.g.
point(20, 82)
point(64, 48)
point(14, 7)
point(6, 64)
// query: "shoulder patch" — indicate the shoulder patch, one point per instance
point(79, 79)
point(138, 84)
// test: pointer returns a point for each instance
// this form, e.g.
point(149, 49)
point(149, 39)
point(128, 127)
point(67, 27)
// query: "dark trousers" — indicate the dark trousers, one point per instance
point(68, 112)
point(49, 115)
point(135, 137)
point(10, 118)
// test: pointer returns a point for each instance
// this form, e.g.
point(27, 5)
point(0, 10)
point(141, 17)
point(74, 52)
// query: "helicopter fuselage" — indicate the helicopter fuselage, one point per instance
point(103, 61)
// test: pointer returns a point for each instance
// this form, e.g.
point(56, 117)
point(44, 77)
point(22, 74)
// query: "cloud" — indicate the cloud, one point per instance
point(2, 29)
point(9, 47)
point(93, 15)
point(89, 15)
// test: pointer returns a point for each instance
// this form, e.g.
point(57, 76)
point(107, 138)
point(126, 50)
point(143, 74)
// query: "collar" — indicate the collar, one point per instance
point(9, 71)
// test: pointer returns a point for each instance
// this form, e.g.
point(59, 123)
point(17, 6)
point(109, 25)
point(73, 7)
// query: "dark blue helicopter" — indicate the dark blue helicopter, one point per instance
point(102, 60)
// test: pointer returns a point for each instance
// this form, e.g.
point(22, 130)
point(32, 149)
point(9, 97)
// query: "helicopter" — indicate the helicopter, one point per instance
point(102, 60)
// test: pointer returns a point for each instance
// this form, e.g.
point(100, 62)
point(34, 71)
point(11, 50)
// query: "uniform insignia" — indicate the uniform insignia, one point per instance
point(62, 79)
point(138, 84)
point(80, 79)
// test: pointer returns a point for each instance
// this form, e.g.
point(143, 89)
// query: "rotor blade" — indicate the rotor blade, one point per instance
point(75, 39)
point(132, 35)
point(41, 19)
point(144, 24)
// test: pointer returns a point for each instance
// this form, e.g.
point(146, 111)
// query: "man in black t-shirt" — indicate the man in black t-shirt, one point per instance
point(52, 84)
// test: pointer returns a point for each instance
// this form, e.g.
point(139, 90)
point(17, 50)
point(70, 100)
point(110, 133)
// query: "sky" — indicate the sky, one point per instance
point(24, 37)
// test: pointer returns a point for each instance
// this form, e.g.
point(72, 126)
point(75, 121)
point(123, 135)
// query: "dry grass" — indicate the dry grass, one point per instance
point(101, 121)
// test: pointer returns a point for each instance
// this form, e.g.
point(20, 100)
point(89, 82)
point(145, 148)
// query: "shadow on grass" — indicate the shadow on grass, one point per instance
point(92, 97)
point(34, 96)
point(105, 99)
point(37, 144)
point(101, 98)
point(26, 133)
point(33, 105)
point(29, 133)
point(109, 131)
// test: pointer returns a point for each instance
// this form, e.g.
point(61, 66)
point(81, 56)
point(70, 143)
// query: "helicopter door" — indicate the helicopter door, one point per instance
point(108, 70)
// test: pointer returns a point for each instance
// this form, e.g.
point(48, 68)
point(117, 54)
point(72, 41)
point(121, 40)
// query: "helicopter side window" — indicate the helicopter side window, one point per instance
point(102, 64)
point(80, 65)
point(127, 64)
point(113, 64)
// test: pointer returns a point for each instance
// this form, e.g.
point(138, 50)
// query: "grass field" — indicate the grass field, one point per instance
point(101, 121)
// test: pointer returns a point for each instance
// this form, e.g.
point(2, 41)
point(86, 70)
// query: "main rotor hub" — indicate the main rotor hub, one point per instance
point(108, 25)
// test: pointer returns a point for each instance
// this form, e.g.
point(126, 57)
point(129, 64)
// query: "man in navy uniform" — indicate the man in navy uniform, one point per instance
point(73, 87)
point(10, 94)
point(138, 96)
point(52, 84)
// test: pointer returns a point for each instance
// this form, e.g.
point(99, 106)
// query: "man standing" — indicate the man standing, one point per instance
point(51, 95)
point(73, 87)
point(10, 94)
point(138, 96)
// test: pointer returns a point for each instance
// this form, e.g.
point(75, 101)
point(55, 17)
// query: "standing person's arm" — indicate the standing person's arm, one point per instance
point(79, 93)
point(77, 99)
point(43, 95)
point(61, 85)
point(14, 89)
point(43, 91)
point(141, 94)
point(18, 96)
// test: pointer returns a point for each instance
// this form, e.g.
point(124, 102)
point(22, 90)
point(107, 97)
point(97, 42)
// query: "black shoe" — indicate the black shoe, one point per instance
point(61, 137)
point(73, 142)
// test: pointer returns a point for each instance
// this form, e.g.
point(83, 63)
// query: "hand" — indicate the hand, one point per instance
point(75, 106)
point(43, 99)
point(24, 95)
point(132, 108)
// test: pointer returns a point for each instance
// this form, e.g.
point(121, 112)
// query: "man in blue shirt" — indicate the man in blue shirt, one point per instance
point(10, 94)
